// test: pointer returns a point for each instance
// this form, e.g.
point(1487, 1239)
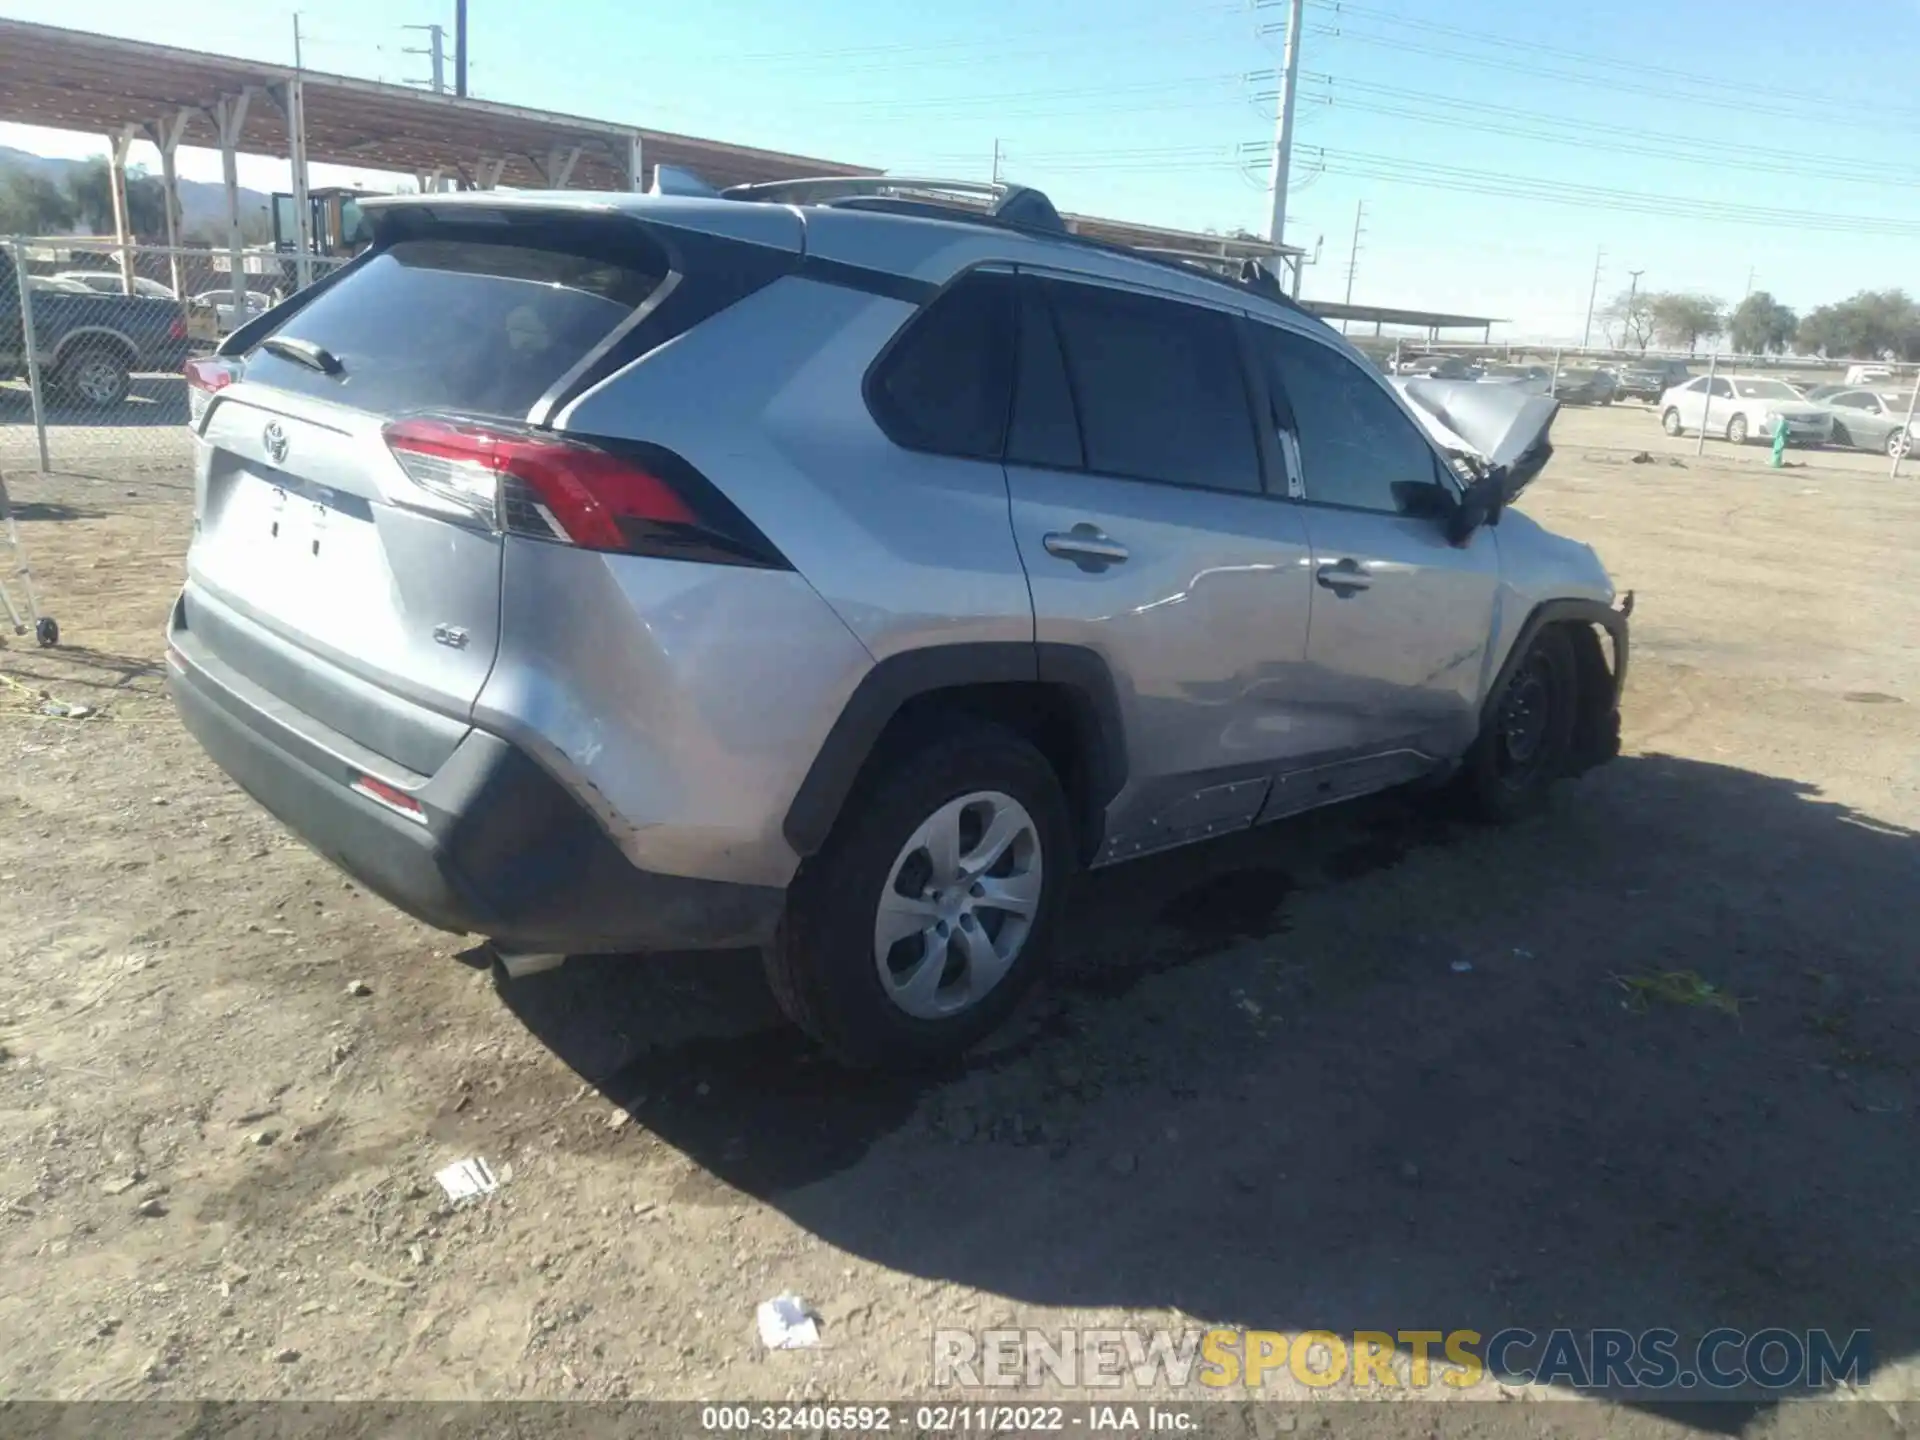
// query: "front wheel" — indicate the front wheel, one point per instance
point(1526, 740)
point(930, 910)
point(1840, 437)
point(1737, 430)
point(1670, 422)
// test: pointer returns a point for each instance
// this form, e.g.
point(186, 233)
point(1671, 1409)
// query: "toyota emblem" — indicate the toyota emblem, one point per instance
point(275, 439)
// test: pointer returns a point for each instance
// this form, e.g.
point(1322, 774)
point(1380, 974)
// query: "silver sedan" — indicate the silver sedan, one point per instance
point(1869, 420)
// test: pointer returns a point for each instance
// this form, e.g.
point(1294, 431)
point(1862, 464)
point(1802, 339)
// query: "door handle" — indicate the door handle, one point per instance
point(1344, 577)
point(1087, 546)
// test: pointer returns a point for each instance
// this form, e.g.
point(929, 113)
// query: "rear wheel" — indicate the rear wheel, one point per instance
point(929, 911)
point(1527, 738)
point(97, 376)
point(1670, 422)
point(1898, 444)
point(1737, 430)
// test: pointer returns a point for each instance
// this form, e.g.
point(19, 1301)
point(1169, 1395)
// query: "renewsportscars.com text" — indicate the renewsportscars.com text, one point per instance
point(1722, 1360)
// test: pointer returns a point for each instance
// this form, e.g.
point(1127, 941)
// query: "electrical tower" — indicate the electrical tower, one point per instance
point(436, 51)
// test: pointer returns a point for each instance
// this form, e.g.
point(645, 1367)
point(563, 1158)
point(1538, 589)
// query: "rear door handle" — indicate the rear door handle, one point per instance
point(1344, 577)
point(1087, 546)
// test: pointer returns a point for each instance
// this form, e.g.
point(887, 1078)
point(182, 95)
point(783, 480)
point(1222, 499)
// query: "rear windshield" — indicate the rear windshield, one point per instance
point(477, 325)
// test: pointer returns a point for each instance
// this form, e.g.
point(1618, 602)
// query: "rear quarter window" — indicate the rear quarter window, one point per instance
point(479, 325)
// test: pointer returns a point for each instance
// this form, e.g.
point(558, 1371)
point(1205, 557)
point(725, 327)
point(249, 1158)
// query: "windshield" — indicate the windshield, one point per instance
point(1764, 390)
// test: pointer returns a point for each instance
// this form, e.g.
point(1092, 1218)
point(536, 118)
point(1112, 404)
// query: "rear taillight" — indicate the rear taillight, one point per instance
point(631, 499)
point(178, 329)
point(205, 377)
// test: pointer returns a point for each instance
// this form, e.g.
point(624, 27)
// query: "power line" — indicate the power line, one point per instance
point(1636, 67)
point(1395, 169)
point(1702, 152)
point(1821, 112)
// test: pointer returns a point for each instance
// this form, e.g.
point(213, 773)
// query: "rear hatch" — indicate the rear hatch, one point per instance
point(311, 533)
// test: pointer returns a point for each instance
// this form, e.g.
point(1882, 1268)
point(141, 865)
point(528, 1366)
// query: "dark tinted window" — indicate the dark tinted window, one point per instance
point(946, 383)
point(1357, 447)
point(1045, 430)
point(482, 326)
point(1160, 388)
point(1722, 389)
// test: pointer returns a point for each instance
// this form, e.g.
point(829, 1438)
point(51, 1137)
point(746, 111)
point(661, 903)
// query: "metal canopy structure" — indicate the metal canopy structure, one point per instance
point(1431, 321)
point(73, 80)
point(129, 90)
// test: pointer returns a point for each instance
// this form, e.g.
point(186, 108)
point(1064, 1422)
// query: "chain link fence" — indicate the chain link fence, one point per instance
point(93, 337)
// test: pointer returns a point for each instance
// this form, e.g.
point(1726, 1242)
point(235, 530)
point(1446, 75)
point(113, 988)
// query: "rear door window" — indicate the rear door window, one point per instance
point(478, 323)
point(1161, 390)
point(946, 383)
point(1044, 429)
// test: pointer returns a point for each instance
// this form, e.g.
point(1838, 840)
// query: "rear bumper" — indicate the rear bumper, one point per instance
point(503, 849)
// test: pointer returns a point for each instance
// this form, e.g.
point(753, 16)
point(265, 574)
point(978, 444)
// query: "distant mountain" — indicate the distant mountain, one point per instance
point(203, 204)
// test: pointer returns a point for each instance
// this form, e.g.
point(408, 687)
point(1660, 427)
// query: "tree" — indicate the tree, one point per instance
point(1629, 316)
point(31, 204)
point(91, 184)
point(1872, 325)
point(1683, 319)
point(1761, 325)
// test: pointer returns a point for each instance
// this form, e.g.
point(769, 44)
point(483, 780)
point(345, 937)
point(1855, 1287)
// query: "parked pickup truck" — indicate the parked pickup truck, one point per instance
point(89, 345)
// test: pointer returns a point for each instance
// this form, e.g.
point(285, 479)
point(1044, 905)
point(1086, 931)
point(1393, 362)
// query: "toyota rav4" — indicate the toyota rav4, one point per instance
point(835, 569)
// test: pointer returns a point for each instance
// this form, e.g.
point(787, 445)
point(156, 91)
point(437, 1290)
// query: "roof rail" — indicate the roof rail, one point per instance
point(1013, 207)
point(967, 199)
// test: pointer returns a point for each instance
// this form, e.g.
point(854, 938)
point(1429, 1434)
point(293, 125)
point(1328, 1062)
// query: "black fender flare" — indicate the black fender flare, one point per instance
point(1597, 736)
point(1081, 673)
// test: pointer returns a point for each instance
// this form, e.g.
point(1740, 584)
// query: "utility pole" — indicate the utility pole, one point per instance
point(296, 42)
point(996, 159)
point(460, 47)
point(1283, 126)
point(1633, 293)
point(1593, 294)
point(1353, 255)
point(436, 51)
point(1749, 290)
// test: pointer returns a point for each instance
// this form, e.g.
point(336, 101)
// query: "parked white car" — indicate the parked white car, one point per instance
point(1869, 375)
point(1743, 407)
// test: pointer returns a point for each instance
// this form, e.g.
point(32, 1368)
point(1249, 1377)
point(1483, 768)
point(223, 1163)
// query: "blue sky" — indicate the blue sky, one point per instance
point(1496, 144)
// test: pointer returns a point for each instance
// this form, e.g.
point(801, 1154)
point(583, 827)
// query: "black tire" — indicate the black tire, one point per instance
point(1897, 444)
point(95, 376)
point(822, 964)
point(1501, 781)
point(47, 632)
point(1840, 437)
point(1737, 430)
point(1670, 422)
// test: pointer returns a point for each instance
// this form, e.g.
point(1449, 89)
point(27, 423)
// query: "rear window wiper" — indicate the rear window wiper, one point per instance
point(303, 352)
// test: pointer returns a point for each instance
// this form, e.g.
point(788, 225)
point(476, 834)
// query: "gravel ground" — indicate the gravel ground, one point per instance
point(1366, 1070)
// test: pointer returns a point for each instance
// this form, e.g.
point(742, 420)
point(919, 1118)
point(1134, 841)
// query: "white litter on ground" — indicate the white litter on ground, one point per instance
point(787, 1324)
point(467, 1180)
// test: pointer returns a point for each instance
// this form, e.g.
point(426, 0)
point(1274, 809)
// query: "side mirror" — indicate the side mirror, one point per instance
point(1481, 504)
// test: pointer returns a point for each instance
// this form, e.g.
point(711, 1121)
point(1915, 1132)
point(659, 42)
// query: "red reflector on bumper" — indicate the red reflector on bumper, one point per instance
point(392, 797)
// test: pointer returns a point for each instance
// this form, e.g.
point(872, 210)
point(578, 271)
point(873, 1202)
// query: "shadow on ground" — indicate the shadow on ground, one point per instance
point(1368, 1070)
point(159, 399)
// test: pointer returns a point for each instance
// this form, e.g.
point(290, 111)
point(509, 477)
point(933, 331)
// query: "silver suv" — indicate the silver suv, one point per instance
point(835, 570)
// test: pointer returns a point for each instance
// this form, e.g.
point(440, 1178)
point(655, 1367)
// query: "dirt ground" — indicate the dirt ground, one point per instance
point(1366, 1070)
